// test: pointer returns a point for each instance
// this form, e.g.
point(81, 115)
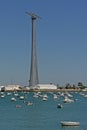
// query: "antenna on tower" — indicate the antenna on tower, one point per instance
point(33, 15)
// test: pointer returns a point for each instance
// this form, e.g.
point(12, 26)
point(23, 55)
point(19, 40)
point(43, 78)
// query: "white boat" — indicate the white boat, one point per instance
point(69, 123)
point(68, 100)
point(16, 94)
point(35, 95)
point(13, 99)
point(45, 96)
point(68, 94)
point(8, 93)
point(85, 95)
point(29, 103)
point(44, 99)
point(21, 97)
point(59, 105)
point(3, 95)
point(55, 96)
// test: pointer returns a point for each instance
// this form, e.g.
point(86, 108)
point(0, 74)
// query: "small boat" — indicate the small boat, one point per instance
point(29, 103)
point(21, 97)
point(8, 93)
point(13, 99)
point(69, 123)
point(55, 96)
point(59, 105)
point(67, 100)
point(16, 94)
point(45, 96)
point(35, 96)
point(44, 99)
point(18, 106)
point(3, 95)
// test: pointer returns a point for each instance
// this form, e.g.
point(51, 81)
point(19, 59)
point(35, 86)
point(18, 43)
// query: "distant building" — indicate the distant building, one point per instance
point(46, 86)
point(12, 87)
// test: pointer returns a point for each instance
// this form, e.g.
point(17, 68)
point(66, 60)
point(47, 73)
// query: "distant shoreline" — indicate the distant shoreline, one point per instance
point(47, 90)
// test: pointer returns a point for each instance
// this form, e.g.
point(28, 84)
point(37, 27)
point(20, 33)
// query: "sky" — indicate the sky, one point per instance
point(61, 38)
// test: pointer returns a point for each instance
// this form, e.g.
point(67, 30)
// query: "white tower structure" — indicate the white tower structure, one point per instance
point(33, 69)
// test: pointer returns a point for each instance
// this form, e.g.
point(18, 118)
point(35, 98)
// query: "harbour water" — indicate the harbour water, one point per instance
point(41, 115)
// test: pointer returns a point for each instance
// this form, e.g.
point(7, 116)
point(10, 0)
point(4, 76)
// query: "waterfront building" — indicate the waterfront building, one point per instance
point(12, 87)
point(46, 86)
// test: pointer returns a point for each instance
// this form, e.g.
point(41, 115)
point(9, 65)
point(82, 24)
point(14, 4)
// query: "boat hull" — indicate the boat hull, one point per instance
point(69, 123)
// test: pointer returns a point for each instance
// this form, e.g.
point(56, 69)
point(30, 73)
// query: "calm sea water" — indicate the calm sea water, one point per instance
point(42, 115)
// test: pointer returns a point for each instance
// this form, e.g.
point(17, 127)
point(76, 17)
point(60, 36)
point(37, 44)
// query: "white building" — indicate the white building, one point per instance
point(11, 87)
point(46, 86)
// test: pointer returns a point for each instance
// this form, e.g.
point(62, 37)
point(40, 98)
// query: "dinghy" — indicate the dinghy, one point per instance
point(69, 123)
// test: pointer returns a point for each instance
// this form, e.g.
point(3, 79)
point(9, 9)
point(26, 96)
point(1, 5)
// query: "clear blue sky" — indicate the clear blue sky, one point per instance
point(61, 41)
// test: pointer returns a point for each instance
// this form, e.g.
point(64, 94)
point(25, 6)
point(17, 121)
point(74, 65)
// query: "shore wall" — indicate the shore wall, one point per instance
point(45, 90)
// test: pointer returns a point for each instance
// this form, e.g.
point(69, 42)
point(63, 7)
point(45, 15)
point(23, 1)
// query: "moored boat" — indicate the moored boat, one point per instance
point(21, 97)
point(68, 100)
point(13, 99)
point(18, 106)
point(59, 105)
point(69, 123)
point(44, 99)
